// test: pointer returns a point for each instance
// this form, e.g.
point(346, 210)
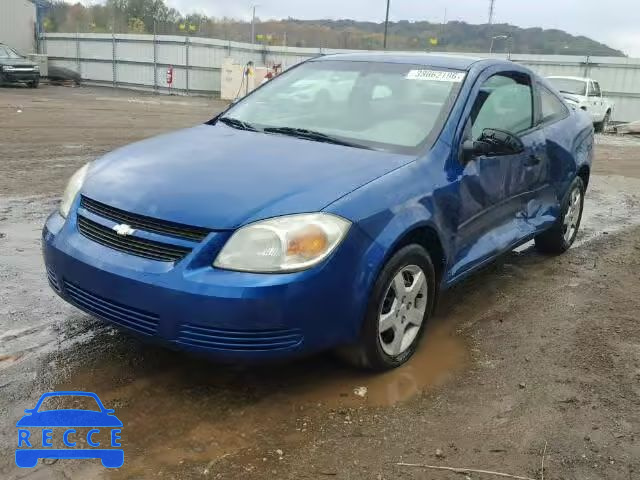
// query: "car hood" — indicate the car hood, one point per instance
point(16, 62)
point(217, 177)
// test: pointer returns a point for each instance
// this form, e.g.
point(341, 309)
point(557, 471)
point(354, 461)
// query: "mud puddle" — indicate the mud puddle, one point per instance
point(179, 409)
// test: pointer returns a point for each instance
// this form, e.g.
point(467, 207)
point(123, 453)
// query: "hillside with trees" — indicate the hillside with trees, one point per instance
point(143, 16)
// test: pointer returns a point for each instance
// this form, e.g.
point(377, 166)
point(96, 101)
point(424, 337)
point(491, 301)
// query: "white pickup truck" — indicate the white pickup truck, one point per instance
point(585, 94)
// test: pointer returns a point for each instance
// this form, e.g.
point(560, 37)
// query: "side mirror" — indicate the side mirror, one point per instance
point(492, 142)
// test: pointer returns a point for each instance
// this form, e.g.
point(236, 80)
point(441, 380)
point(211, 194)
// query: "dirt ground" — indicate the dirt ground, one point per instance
point(534, 359)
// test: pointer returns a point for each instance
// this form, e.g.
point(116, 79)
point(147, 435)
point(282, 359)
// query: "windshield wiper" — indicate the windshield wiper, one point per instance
point(311, 135)
point(236, 123)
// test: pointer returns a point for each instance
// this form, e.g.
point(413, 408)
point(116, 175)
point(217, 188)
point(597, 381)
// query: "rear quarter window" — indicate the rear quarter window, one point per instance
point(552, 108)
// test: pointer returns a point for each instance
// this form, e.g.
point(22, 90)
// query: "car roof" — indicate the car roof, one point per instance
point(456, 62)
point(580, 79)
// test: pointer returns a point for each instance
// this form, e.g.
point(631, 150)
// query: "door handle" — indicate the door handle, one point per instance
point(532, 161)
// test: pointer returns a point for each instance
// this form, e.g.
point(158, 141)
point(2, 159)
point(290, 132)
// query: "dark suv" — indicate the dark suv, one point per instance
point(15, 68)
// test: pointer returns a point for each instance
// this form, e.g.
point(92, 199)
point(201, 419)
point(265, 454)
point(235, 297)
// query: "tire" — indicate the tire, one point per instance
point(560, 237)
point(34, 84)
point(602, 126)
point(379, 349)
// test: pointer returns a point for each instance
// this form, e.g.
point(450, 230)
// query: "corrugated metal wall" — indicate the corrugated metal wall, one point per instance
point(137, 61)
point(17, 25)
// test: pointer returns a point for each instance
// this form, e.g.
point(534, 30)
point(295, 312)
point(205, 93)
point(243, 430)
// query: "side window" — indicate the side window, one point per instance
point(596, 89)
point(503, 103)
point(552, 107)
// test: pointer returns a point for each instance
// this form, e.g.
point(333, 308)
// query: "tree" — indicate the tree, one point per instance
point(136, 26)
point(139, 16)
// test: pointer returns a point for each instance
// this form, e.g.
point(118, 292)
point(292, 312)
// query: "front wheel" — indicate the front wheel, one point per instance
point(560, 237)
point(400, 305)
point(34, 84)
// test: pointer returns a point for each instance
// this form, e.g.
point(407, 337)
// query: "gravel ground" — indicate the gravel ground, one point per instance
point(532, 352)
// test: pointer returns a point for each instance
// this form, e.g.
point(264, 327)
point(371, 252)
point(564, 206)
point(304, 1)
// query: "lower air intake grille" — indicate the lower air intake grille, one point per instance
point(132, 318)
point(53, 281)
point(240, 340)
point(140, 247)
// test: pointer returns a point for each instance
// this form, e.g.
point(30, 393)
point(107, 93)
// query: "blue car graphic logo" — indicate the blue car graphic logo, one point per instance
point(31, 447)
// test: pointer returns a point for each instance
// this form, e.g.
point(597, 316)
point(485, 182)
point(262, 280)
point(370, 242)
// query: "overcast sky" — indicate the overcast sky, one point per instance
point(614, 22)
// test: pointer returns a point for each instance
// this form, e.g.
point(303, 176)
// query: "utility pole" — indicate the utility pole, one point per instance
point(492, 6)
point(386, 25)
point(253, 24)
point(444, 25)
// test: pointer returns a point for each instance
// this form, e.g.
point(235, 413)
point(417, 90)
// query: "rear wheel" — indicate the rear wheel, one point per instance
point(400, 305)
point(34, 84)
point(560, 237)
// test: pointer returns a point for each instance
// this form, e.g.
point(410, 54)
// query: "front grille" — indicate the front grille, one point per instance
point(133, 245)
point(144, 223)
point(53, 281)
point(132, 318)
point(240, 340)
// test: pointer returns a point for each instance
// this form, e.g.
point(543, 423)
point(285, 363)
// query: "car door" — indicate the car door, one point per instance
point(494, 191)
point(593, 101)
point(555, 119)
point(598, 100)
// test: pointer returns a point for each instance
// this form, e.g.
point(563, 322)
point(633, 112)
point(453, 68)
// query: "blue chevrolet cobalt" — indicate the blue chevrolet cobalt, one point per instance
point(326, 210)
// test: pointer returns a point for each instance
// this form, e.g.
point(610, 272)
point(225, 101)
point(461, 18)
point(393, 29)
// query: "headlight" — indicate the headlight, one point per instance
point(7, 68)
point(36, 68)
point(283, 244)
point(73, 187)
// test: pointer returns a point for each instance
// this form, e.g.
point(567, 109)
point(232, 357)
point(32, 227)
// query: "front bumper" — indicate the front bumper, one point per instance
point(18, 76)
point(192, 306)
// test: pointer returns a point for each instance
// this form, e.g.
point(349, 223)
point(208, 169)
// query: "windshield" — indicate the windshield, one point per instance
point(6, 52)
point(568, 85)
point(368, 104)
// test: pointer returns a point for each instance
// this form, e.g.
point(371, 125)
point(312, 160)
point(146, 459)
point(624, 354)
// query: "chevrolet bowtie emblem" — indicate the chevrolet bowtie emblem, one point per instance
point(124, 230)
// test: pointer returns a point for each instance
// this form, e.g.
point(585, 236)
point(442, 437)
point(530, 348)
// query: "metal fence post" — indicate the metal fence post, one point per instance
point(78, 66)
point(587, 66)
point(187, 63)
point(155, 58)
point(114, 65)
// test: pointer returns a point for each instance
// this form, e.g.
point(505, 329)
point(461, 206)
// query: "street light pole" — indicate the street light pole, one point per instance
point(253, 25)
point(386, 25)
point(497, 37)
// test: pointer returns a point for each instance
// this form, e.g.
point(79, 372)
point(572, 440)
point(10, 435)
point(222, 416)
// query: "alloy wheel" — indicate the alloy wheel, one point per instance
point(572, 215)
point(402, 310)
